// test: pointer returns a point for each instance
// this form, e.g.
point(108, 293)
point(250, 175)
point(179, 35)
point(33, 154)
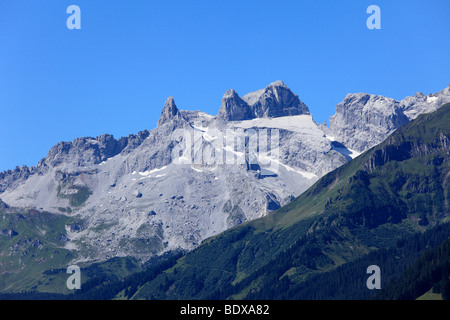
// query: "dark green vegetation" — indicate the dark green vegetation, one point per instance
point(432, 269)
point(80, 197)
point(69, 188)
point(386, 207)
point(76, 198)
point(401, 267)
point(117, 278)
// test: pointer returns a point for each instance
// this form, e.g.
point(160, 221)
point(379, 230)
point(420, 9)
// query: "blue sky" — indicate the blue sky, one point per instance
point(114, 75)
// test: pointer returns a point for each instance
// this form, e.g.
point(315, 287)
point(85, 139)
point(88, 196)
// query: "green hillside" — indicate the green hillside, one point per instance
point(31, 242)
point(33, 257)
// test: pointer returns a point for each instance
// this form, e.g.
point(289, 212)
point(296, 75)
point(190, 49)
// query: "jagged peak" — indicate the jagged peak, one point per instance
point(234, 108)
point(230, 93)
point(278, 83)
point(275, 100)
point(169, 111)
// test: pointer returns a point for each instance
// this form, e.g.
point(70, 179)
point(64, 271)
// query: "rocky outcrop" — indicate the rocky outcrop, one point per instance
point(419, 103)
point(10, 178)
point(87, 151)
point(400, 147)
point(82, 151)
point(364, 120)
point(169, 112)
point(233, 108)
point(276, 100)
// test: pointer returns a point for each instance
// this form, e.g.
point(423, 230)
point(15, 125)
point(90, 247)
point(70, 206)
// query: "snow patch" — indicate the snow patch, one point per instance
point(301, 123)
point(147, 173)
point(431, 99)
point(305, 174)
point(344, 151)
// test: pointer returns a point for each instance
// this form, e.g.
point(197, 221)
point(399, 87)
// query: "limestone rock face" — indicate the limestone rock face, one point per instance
point(233, 108)
point(275, 100)
point(169, 112)
point(419, 103)
point(364, 120)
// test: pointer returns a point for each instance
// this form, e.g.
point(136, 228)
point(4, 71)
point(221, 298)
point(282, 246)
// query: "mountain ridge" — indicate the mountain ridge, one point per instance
point(406, 106)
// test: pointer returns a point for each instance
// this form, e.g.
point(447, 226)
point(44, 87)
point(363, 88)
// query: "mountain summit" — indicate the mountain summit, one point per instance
point(169, 111)
point(364, 120)
point(234, 108)
point(275, 100)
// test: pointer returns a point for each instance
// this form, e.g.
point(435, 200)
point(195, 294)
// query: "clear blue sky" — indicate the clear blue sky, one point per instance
point(114, 75)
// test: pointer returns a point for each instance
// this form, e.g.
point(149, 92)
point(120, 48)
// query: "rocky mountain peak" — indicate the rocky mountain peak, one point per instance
point(275, 100)
point(421, 103)
point(169, 111)
point(277, 83)
point(86, 151)
point(363, 120)
point(230, 93)
point(233, 108)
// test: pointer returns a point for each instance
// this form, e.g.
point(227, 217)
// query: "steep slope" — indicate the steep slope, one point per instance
point(363, 120)
point(395, 189)
point(415, 105)
point(431, 270)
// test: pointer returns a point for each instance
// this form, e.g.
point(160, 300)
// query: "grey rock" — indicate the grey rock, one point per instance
point(233, 108)
point(419, 103)
point(3, 205)
point(169, 112)
point(88, 151)
point(11, 178)
point(276, 100)
point(364, 120)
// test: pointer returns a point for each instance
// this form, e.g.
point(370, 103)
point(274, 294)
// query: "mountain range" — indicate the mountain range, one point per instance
point(389, 207)
point(196, 175)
